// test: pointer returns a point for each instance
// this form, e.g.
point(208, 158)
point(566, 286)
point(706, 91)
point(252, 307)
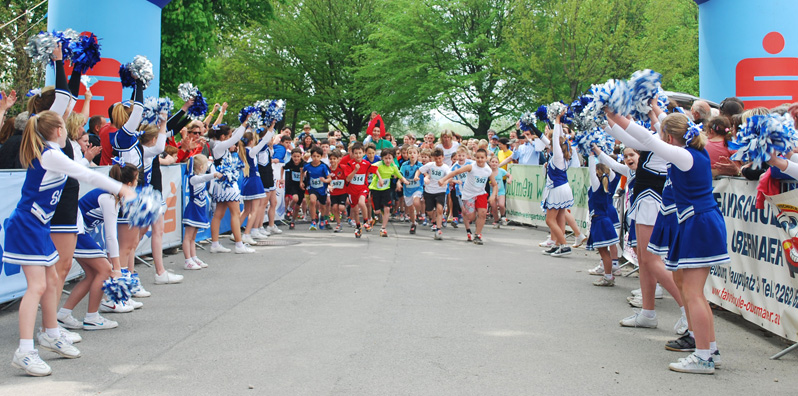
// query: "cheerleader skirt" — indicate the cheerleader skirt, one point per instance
point(87, 247)
point(67, 218)
point(560, 197)
point(700, 242)
point(632, 235)
point(196, 216)
point(663, 234)
point(252, 188)
point(646, 209)
point(222, 193)
point(27, 241)
point(602, 233)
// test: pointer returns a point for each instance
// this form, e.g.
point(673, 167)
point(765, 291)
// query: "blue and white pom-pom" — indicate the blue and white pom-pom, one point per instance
point(200, 107)
point(145, 209)
point(139, 68)
point(186, 91)
point(763, 136)
point(583, 120)
point(229, 170)
point(527, 121)
point(542, 113)
point(127, 79)
point(153, 107)
point(614, 94)
point(254, 114)
point(645, 85)
point(85, 52)
point(662, 100)
point(596, 136)
point(40, 47)
point(117, 290)
point(65, 38)
point(554, 109)
point(271, 110)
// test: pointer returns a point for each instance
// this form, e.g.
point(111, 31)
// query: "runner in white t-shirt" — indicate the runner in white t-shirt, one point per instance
point(474, 197)
point(434, 193)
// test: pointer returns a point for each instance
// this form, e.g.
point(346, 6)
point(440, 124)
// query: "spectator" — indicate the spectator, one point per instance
point(380, 140)
point(718, 132)
point(107, 152)
point(9, 153)
point(429, 142)
point(306, 131)
point(494, 144)
point(730, 107)
point(504, 152)
point(6, 130)
point(701, 111)
point(409, 140)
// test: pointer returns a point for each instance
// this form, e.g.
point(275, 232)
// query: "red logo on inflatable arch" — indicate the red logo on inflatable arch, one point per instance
point(768, 82)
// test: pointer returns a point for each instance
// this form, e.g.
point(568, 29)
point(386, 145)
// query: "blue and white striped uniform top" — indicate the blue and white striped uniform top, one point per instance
point(90, 208)
point(41, 190)
point(253, 164)
point(599, 202)
point(693, 189)
point(651, 173)
point(668, 205)
point(198, 189)
point(557, 176)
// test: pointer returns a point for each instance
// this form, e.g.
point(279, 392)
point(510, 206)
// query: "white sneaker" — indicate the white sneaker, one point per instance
point(257, 235)
point(616, 271)
point(244, 250)
point(167, 277)
point(60, 345)
point(191, 265)
point(635, 301)
point(639, 320)
point(133, 303)
point(142, 293)
point(200, 262)
point(31, 363)
point(248, 239)
point(70, 335)
point(694, 365)
point(657, 292)
point(274, 230)
point(69, 322)
point(680, 327)
point(99, 324)
point(219, 249)
point(264, 231)
point(579, 240)
point(547, 243)
point(232, 237)
point(598, 270)
point(108, 306)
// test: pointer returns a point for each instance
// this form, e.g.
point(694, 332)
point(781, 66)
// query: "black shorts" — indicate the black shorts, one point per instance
point(291, 189)
point(430, 200)
point(381, 199)
point(266, 176)
point(338, 199)
point(65, 218)
point(322, 199)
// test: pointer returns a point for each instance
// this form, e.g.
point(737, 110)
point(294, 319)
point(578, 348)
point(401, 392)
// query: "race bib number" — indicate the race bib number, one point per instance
point(359, 179)
point(461, 176)
point(316, 183)
point(337, 184)
point(436, 174)
point(295, 176)
point(481, 181)
point(412, 184)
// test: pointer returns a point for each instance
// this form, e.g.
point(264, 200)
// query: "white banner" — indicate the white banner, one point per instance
point(760, 283)
point(525, 191)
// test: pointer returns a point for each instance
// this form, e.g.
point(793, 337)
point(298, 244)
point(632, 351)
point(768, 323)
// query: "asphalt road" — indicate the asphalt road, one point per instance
point(403, 315)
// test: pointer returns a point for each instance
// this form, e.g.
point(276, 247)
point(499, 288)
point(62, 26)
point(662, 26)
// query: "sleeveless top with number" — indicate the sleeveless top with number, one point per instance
point(41, 191)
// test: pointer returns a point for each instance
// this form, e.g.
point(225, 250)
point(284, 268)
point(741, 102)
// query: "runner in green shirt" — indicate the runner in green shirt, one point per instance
point(380, 187)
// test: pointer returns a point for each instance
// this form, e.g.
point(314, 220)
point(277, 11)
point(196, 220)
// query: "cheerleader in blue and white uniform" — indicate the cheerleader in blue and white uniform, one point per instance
point(98, 209)
point(603, 182)
point(253, 191)
point(627, 168)
point(700, 240)
point(195, 215)
point(267, 175)
point(557, 195)
point(28, 241)
point(226, 195)
point(650, 178)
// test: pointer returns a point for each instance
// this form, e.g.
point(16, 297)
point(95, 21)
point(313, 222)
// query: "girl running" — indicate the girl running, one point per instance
point(381, 187)
point(195, 215)
point(498, 206)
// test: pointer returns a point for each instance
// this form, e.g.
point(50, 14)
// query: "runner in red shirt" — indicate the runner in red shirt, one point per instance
point(338, 189)
point(359, 168)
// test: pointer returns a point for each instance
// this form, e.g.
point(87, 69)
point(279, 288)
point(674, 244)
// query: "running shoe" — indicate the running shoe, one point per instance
point(358, 233)
point(639, 320)
point(219, 249)
point(256, 233)
point(550, 250)
point(108, 306)
point(338, 228)
point(133, 303)
point(327, 225)
point(246, 238)
point(716, 358)
point(547, 243)
point(142, 293)
point(72, 336)
point(313, 226)
point(504, 221)
point(496, 224)
point(168, 277)
point(31, 363)
point(561, 251)
point(383, 233)
point(681, 326)
point(99, 324)
point(657, 292)
point(291, 226)
point(635, 301)
point(200, 262)
point(191, 265)
point(469, 237)
point(693, 364)
point(368, 227)
point(69, 322)
point(413, 228)
point(603, 281)
point(438, 235)
point(684, 343)
point(60, 345)
point(478, 239)
point(243, 250)
point(580, 240)
point(454, 223)
point(274, 230)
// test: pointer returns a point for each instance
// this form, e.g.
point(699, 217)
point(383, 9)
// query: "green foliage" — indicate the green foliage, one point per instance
point(16, 69)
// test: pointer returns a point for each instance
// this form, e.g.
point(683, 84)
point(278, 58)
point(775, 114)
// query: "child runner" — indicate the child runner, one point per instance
point(318, 175)
point(500, 205)
point(414, 188)
point(373, 158)
point(338, 193)
point(557, 195)
point(381, 187)
point(47, 171)
point(195, 215)
point(98, 208)
point(359, 168)
point(700, 240)
point(292, 177)
point(603, 183)
point(460, 159)
point(475, 199)
point(434, 193)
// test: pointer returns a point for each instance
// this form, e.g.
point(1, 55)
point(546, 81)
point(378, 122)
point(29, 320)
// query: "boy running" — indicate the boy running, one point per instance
point(294, 193)
point(412, 188)
point(319, 175)
point(475, 199)
point(381, 188)
point(434, 193)
point(338, 192)
point(359, 168)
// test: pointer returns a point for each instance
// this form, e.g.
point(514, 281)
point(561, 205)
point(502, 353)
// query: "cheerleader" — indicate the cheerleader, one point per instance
point(603, 182)
point(195, 215)
point(253, 191)
point(696, 246)
point(627, 168)
point(226, 197)
point(557, 195)
point(47, 171)
point(266, 168)
point(98, 208)
point(650, 178)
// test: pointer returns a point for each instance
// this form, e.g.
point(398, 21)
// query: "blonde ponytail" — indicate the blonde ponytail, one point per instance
point(39, 129)
point(242, 155)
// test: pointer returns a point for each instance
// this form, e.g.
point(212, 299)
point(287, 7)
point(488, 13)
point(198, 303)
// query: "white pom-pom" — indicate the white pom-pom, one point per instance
point(141, 68)
point(555, 109)
point(40, 47)
point(187, 91)
point(145, 209)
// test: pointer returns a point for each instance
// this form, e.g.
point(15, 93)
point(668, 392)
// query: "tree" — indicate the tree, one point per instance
point(192, 31)
point(19, 72)
point(445, 54)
